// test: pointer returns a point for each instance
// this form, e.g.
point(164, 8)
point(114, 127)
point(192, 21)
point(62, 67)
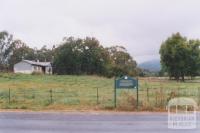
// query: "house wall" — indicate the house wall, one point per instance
point(37, 68)
point(23, 67)
point(48, 70)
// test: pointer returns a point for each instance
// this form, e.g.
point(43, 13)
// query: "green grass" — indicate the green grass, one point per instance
point(80, 92)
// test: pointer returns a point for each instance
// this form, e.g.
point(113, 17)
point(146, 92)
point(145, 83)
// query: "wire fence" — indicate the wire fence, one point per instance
point(150, 98)
point(43, 98)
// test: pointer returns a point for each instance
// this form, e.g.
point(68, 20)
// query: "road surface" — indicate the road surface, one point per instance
point(37, 122)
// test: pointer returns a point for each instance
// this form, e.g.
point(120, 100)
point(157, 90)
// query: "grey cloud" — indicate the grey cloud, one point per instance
point(139, 25)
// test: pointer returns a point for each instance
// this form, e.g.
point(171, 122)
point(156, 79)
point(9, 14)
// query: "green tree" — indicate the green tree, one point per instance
point(87, 56)
point(193, 58)
point(122, 62)
point(44, 54)
point(80, 56)
point(20, 51)
point(67, 57)
point(94, 57)
point(6, 48)
point(174, 54)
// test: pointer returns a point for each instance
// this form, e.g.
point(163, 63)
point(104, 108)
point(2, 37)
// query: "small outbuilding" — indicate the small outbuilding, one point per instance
point(28, 67)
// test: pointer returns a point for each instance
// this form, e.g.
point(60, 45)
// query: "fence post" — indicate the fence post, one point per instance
point(147, 94)
point(156, 98)
point(162, 97)
point(137, 95)
point(115, 94)
point(97, 95)
point(198, 96)
point(9, 95)
point(51, 96)
point(24, 95)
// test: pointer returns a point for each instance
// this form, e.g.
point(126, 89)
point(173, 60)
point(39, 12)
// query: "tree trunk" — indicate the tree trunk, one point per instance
point(183, 78)
point(177, 78)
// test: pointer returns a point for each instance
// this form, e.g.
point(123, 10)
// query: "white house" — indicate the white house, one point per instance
point(28, 67)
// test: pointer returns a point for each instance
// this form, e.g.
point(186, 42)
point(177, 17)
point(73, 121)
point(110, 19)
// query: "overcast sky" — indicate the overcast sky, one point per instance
point(139, 25)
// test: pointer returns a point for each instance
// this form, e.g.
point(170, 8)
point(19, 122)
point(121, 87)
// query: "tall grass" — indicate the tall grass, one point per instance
point(80, 92)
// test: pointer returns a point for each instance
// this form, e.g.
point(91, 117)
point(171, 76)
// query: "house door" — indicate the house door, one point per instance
point(43, 69)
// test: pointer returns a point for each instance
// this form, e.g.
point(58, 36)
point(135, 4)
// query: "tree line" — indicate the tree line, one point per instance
point(180, 57)
point(71, 56)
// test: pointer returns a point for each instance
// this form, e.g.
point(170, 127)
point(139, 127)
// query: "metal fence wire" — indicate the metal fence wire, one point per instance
point(150, 98)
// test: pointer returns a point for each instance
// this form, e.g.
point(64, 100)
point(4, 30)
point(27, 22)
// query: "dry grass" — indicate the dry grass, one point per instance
point(80, 92)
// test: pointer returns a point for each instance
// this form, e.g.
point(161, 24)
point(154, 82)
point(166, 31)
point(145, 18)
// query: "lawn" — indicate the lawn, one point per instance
point(56, 92)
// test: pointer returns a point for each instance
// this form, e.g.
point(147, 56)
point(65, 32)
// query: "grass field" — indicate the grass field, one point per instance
point(46, 92)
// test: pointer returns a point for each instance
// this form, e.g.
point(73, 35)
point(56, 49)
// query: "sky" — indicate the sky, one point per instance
point(138, 25)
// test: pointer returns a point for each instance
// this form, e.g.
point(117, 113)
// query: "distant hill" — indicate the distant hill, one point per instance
point(152, 65)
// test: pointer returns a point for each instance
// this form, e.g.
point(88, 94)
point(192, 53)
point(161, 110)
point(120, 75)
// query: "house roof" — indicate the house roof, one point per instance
point(38, 63)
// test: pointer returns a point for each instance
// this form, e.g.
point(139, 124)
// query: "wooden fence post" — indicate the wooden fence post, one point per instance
point(198, 96)
point(9, 96)
point(24, 95)
point(156, 98)
point(97, 95)
point(148, 94)
point(51, 96)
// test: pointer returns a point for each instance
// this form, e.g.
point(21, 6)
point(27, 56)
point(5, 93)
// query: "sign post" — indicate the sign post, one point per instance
point(137, 95)
point(115, 94)
point(125, 82)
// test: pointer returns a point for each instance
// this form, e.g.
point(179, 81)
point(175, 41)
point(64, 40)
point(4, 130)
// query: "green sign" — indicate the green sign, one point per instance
point(126, 82)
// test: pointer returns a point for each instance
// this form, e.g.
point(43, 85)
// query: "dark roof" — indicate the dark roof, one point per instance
point(38, 63)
